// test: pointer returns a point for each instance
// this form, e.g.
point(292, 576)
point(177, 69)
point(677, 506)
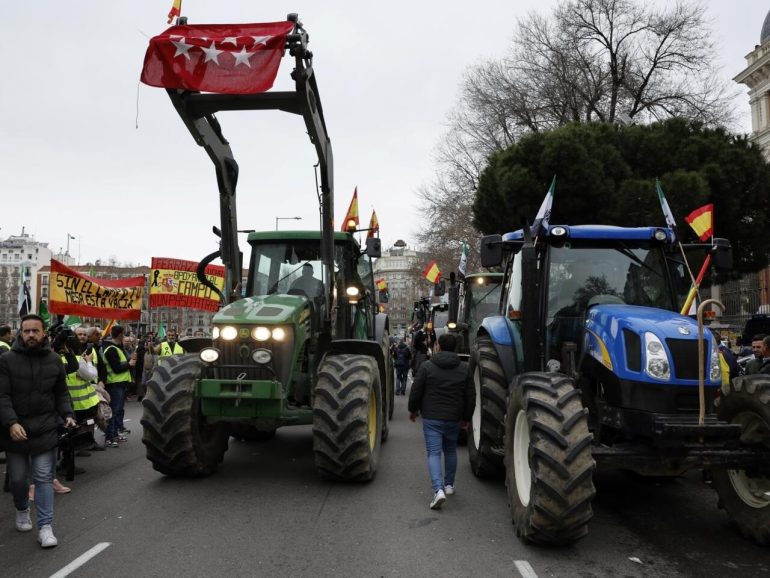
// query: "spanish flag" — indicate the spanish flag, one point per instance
point(702, 221)
point(176, 10)
point(374, 226)
point(432, 272)
point(108, 329)
point(382, 284)
point(350, 222)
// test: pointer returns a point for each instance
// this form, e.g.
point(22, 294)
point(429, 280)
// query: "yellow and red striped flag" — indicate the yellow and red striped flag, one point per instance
point(382, 284)
point(106, 332)
point(432, 272)
point(702, 221)
point(350, 222)
point(374, 226)
point(176, 10)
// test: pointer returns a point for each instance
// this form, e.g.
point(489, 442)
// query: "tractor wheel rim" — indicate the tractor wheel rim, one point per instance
point(753, 491)
point(521, 458)
point(476, 419)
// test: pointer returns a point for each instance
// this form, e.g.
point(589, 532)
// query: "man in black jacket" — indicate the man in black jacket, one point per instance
point(443, 393)
point(33, 397)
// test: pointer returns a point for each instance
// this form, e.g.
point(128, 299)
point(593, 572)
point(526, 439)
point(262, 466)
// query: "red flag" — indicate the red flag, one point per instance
point(374, 226)
point(223, 58)
point(702, 221)
point(350, 222)
point(176, 10)
point(432, 272)
point(382, 284)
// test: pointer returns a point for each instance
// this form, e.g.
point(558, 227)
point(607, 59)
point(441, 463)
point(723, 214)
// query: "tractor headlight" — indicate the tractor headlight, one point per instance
point(715, 371)
point(262, 356)
point(658, 365)
point(209, 355)
point(228, 333)
point(215, 333)
point(279, 334)
point(261, 333)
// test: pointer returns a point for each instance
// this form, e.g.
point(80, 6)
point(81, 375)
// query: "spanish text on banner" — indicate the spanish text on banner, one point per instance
point(74, 293)
point(174, 283)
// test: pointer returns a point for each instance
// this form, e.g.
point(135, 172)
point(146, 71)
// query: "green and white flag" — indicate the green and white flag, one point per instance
point(161, 331)
point(463, 260)
point(42, 310)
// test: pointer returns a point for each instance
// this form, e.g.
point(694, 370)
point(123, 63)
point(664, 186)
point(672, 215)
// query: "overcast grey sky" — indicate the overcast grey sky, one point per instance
point(72, 160)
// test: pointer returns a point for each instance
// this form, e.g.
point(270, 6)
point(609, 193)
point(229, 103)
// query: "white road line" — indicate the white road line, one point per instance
point(525, 569)
point(80, 560)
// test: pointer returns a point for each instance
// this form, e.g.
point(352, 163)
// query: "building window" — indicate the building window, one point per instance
point(45, 279)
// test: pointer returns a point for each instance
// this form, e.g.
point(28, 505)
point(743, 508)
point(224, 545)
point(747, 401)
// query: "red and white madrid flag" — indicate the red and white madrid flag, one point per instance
point(224, 58)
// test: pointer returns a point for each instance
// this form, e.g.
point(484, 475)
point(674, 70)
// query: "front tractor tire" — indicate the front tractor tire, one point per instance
point(745, 495)
point(485, 433)
point(548, 463)
point(347, 414)
point(178, 439)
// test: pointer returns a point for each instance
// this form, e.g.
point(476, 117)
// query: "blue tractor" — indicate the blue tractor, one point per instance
point(587, 363)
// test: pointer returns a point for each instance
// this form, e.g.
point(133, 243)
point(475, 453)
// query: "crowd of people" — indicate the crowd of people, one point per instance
point(57, 385)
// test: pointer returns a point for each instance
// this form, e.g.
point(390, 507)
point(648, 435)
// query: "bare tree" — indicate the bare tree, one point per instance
point(589, 61)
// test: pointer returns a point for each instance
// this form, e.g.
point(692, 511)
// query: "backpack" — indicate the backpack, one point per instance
point(402, 356)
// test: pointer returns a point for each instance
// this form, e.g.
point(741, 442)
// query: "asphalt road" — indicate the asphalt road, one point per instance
point(266, 513)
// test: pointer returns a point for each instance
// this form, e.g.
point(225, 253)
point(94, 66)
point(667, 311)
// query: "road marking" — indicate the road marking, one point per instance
point(82, 559)
point(525, 569)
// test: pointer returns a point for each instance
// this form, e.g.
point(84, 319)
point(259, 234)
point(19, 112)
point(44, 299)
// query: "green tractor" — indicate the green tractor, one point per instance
point(302, 344)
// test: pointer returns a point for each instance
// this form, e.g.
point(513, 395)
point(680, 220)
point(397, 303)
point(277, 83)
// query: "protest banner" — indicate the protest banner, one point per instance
point(74, 293)
point(174, 283)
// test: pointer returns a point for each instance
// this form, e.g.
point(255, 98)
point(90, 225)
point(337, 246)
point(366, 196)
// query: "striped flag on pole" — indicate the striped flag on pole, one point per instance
point(176, 10)
point(702, 221)
point(432, 272)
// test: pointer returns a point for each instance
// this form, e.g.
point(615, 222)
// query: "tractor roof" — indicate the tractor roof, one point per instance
point(598, 233)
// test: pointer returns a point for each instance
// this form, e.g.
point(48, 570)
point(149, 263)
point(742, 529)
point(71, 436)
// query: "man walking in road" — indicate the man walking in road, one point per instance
point(443, 393)
point(403, 357)
point(33, 396)
point(754, 365)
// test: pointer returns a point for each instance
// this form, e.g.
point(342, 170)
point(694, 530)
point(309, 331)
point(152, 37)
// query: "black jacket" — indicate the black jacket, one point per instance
point(443, 389)
point(765, 366)
point(33, 392)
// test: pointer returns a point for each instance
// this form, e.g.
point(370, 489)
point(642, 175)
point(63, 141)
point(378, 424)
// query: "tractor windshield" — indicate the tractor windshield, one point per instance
point(288, 268)
point(582, 275)
point(482, 300)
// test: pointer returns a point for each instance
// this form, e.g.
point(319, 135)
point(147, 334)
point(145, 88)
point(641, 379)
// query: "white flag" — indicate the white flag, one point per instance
point(463, 260)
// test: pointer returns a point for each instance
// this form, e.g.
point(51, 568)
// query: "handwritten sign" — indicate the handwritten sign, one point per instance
point(74, 293)
point(174, 283)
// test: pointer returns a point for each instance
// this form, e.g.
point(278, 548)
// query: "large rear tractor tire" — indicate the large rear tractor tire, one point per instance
point(347, 414)
point(179, 441)
point(548, 463)
point(485, 433)
point(745, 495)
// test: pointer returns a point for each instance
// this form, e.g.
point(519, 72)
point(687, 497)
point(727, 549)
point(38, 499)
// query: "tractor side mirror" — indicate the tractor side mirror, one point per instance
point(374, 247)
point(439, 288)
point(491, 250)
point(722, 255)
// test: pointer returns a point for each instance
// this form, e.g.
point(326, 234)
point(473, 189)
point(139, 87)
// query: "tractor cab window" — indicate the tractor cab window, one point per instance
point(288, 268)
point(483, 300)
point(365, 272)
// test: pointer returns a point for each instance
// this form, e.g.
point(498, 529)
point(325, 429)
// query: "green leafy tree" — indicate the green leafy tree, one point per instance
point(606, 174)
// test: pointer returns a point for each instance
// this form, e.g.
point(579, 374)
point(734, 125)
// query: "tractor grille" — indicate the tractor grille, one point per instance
point(235, 359)
point(684, 354)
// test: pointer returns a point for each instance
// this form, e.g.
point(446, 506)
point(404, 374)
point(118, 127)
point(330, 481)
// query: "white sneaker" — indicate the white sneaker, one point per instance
point(438, 500)
point(449, 489)
point(46, 537)
point(23, 522)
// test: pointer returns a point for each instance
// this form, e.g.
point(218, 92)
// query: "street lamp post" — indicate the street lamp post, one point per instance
point(285, 219)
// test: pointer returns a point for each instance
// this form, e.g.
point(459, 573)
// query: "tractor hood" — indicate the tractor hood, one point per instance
point(265, 309)
point(624, 337)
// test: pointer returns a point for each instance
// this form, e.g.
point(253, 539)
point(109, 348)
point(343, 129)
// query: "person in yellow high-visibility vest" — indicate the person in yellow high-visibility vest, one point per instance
point(118, 367)
point(170, 346)
point(6, 338)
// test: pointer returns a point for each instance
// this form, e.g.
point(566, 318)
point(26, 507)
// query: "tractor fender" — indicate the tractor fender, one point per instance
point(506, 339)
point(381, 326)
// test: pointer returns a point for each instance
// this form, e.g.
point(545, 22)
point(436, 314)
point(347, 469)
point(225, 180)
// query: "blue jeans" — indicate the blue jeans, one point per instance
point(117, 393)
point(401, 373)
point(441, 435)
point(43, 467)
